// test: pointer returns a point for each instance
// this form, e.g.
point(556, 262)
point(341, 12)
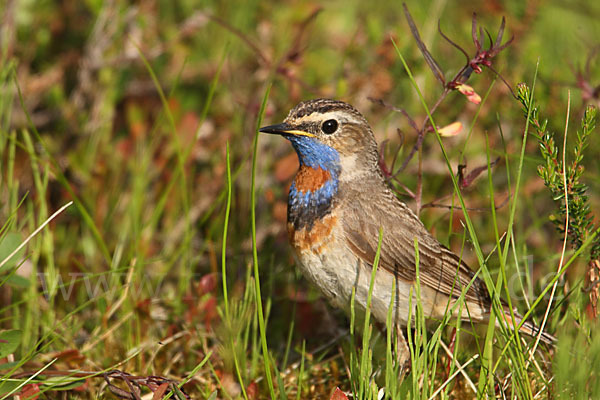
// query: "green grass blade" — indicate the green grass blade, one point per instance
point(259, 306)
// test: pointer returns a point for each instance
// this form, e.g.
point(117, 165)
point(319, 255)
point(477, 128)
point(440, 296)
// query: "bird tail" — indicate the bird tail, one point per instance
point(528, 327)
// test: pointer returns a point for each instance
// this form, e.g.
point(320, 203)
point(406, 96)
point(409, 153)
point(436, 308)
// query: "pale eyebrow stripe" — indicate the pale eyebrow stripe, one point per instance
point(341, 116)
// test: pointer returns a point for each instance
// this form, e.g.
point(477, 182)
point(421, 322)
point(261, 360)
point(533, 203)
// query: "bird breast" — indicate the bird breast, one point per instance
point(311, 196)
point(322, 258)
point(309, 179)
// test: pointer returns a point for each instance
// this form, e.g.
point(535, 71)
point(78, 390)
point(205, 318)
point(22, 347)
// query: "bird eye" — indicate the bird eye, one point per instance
point(329, 126)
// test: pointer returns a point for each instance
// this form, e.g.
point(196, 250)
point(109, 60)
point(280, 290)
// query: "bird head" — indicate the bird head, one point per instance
point(331, 135)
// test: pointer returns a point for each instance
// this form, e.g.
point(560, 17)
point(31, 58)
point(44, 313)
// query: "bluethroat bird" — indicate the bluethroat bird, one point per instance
point(337, 204)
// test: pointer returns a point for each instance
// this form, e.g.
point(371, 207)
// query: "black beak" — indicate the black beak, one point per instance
point(276, 129)
point(284, 129)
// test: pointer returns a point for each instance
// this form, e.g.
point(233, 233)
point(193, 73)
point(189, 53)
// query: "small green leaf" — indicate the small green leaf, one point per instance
point(9, 341)
point(18, 281)
point(70, 386)
point(8, 244)
point(8, 365)
point(7, 386)
point(213, 396)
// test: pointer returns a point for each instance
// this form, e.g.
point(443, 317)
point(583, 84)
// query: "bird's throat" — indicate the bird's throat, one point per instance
point(313, 191)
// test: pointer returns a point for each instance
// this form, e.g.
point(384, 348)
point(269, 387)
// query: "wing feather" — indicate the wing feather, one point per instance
point(439, 268)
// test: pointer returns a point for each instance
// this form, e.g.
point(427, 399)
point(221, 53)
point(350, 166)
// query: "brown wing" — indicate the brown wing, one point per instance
point(439, 268)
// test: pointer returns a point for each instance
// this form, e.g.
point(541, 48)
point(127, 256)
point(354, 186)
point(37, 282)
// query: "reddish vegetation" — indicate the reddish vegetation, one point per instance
point(338, 394)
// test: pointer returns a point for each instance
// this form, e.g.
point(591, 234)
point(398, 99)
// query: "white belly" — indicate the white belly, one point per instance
point(326, 260)
point(336, 271)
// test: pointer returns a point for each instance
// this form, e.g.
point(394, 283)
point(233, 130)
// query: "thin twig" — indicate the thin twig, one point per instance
point(396, 109)
point(452, 42)
point(255, 48)
point(421, 133)
point(474, 209)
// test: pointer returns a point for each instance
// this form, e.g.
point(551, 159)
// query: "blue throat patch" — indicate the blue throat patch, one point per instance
point(314, 154)
point(306, 205)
